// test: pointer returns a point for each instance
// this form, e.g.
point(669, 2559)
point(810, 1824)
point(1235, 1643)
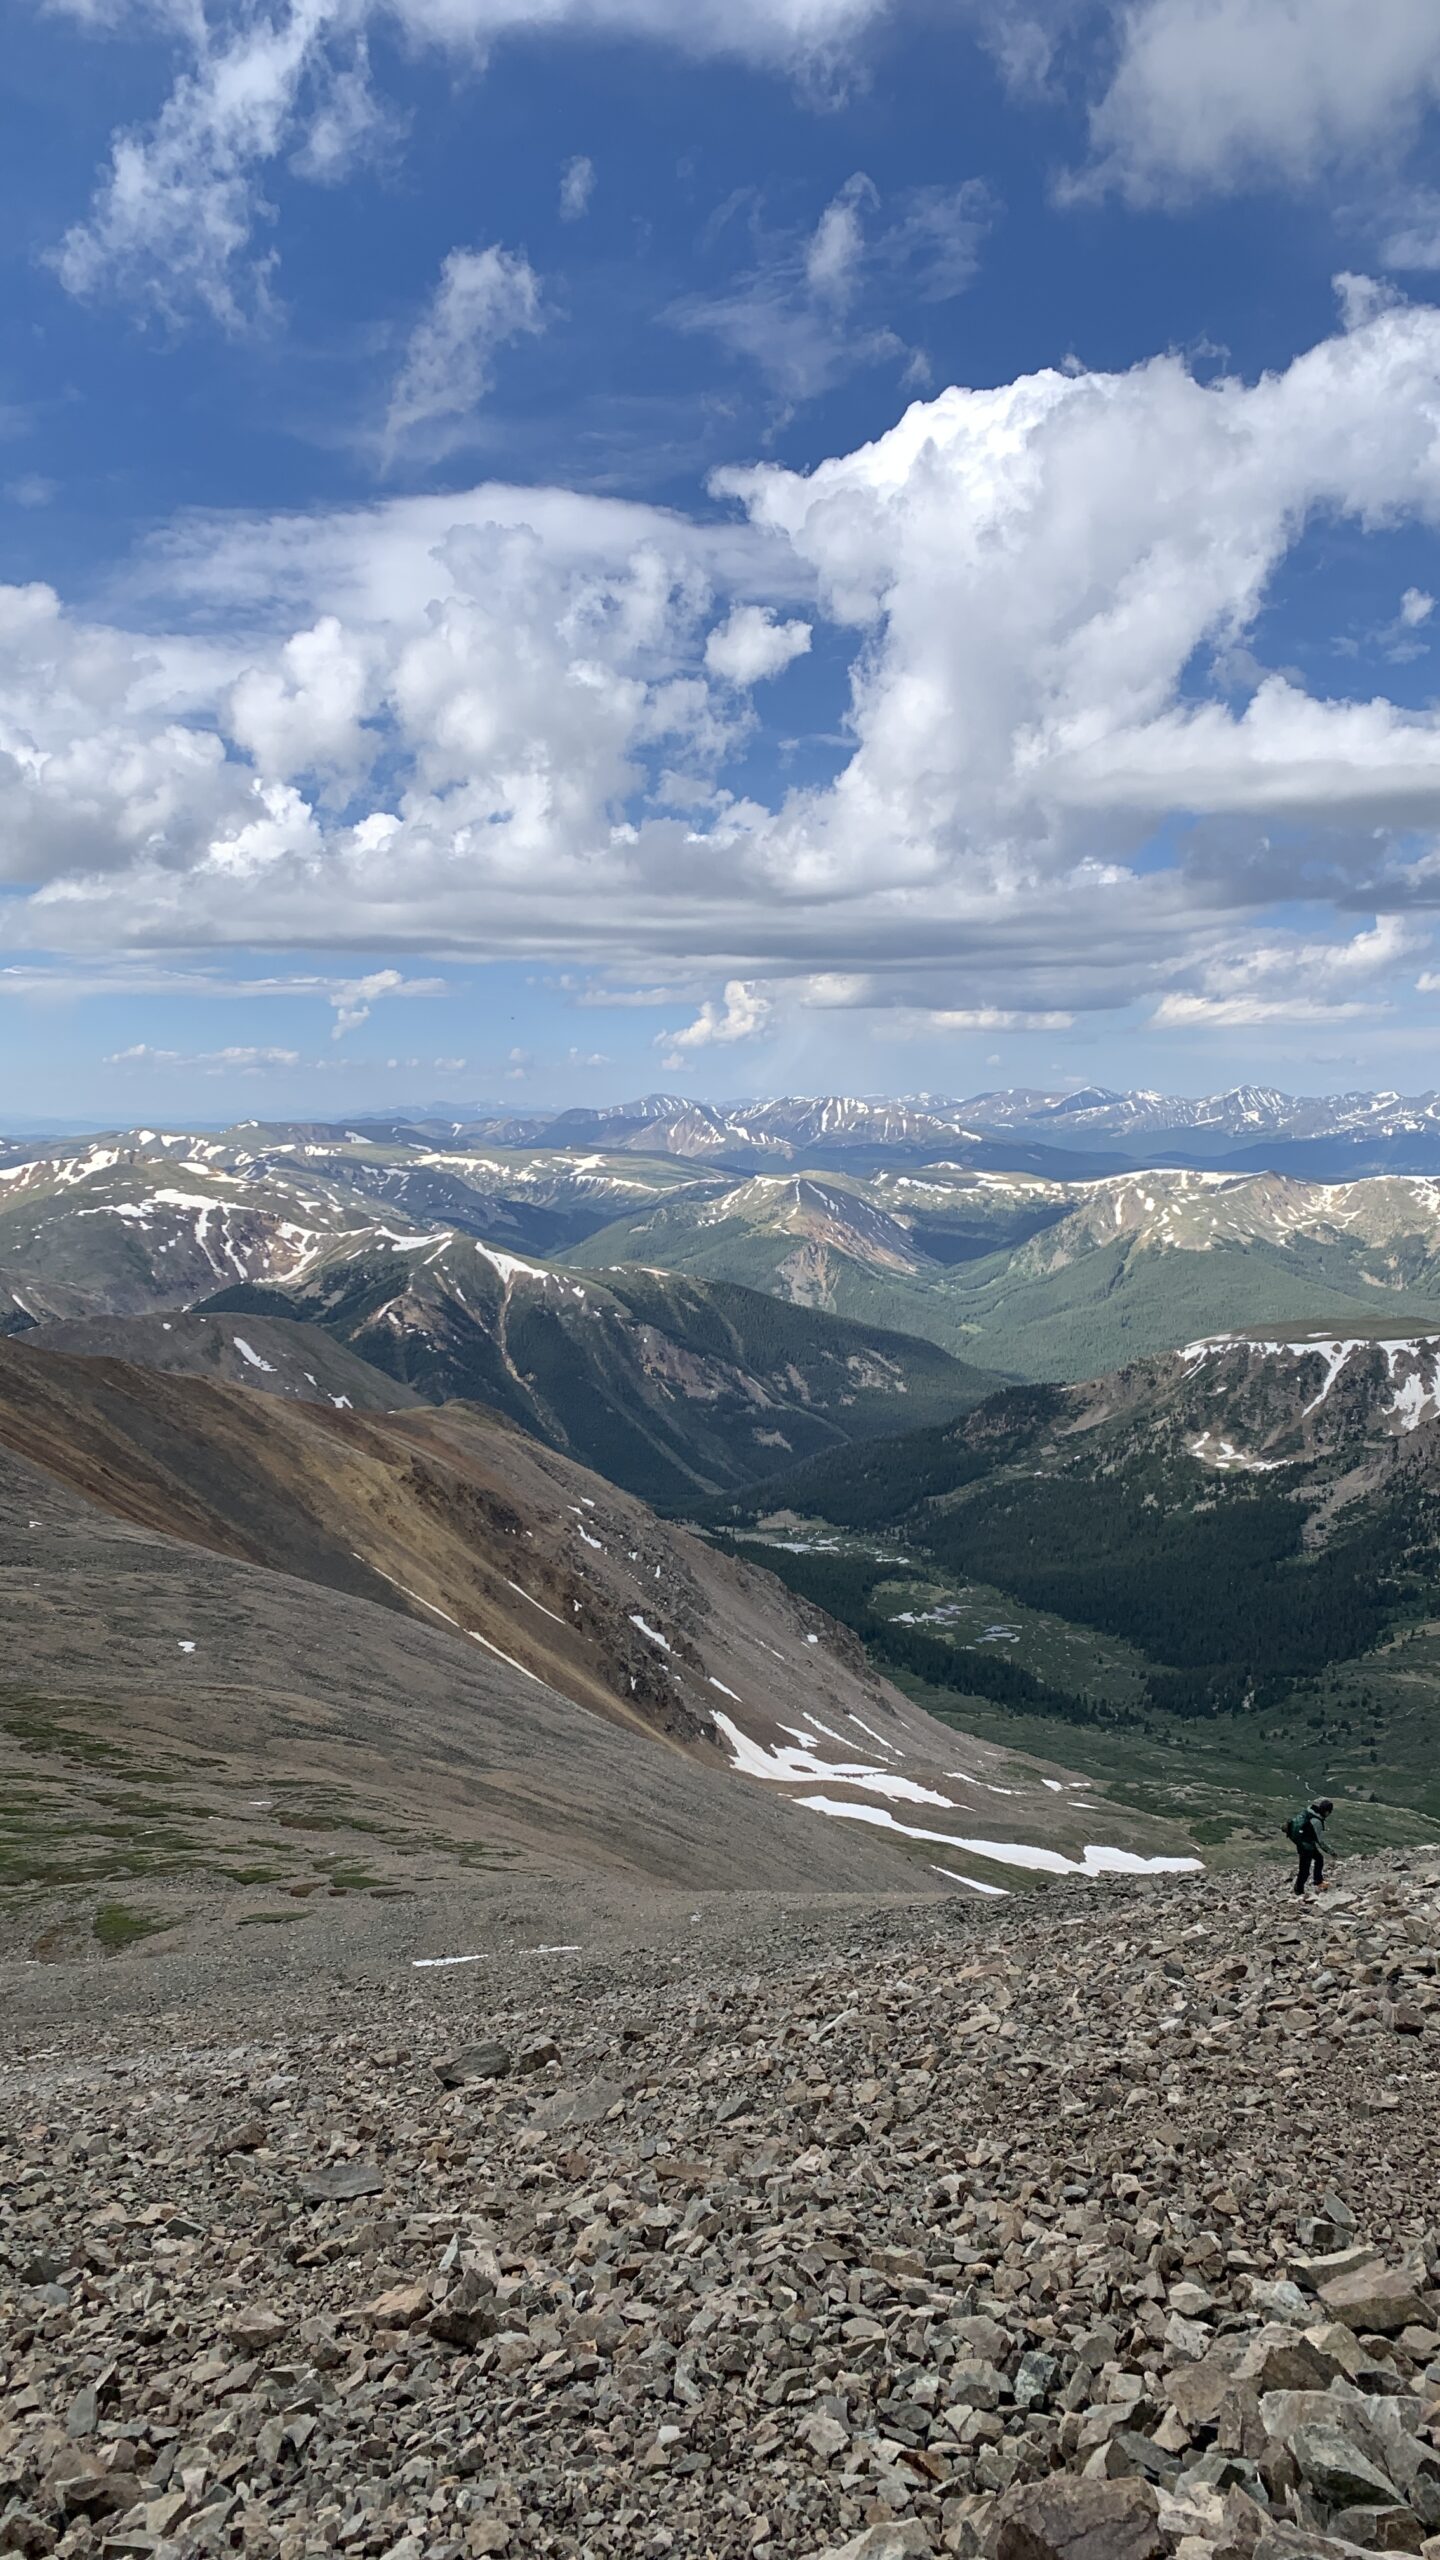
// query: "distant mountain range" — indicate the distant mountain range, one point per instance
point(680, 1324)
point(1250, 1127)
point(1092, 1129)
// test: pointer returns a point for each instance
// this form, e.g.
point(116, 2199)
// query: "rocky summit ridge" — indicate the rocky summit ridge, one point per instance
point(1104, 2230)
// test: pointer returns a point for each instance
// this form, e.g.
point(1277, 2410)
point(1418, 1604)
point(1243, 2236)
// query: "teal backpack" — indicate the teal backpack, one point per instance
point(1295, 1829)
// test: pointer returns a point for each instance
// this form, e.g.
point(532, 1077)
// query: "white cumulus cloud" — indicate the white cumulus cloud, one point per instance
point(741, 1013)
point(751, 645)
point(1210, 94)
point(453, 724)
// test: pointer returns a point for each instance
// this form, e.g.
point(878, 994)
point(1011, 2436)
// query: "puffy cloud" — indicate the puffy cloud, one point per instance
point(743, 1011)
point(1041, 568)
point(577, 185)
point(451, 724)
point(751, 645)
point(1222, 93)
point(354, 1001)
point(484, 300)
point(301, 711)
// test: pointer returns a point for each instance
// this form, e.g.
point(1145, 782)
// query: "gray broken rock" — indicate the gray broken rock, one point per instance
point(468, 2314)
point(907, 2540)
point(587, 2105)
point(81, 2486)
point(474, 2062)
point(1381, 2299)
point(341, 2181)
point(1064, 2518)
point(536, 2052)
point(1381, 2528)
point(1337, 2470)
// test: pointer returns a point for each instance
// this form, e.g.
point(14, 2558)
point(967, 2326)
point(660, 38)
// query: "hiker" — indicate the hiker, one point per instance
point(1307, 1831)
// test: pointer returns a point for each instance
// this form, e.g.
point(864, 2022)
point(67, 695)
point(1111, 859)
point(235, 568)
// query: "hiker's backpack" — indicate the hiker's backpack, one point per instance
point(1295, 1830)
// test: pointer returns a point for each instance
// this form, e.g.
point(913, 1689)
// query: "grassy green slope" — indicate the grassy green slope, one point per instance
point(1364, 1730)
point(1229, 1588)
point(1113, 1303)
point(1117, 1304)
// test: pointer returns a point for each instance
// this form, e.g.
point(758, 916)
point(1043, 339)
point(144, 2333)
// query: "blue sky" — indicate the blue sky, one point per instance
point(558, 546)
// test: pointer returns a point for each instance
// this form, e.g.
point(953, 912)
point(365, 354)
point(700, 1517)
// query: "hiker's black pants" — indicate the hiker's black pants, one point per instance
point(1312, 1862)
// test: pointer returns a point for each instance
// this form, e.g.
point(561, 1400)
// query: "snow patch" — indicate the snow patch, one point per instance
point(534, 1603)
point(1094, 1860)
point(646, 1629)
point(892, 1747)
point(792, 1765)
point(253, 1357)
point(505, 1657)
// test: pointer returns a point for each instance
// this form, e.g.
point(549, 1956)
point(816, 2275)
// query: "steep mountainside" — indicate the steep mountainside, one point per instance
point(1142, 1264)
point(835, 1131)
point(1095, 1130)
point(124, 1228)
point(1247, 1112)
point(25, 1303)
point(281, 1359)
point(572, 1598)
point(527, 1200)
point(160, 1218)
point(1253, 1128)
point(671, 1386)
point(876, 1250)
point(214, 1743)
point(1242, 1514)
point(1046, 1279)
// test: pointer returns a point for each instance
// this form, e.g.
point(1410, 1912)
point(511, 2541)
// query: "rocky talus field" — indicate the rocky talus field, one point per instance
point(1104, 2226)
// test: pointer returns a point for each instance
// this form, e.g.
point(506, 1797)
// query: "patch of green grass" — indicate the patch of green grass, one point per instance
point(268, 1919)
point(37, 1729)
point(1364, 1729)
point(117, 1926)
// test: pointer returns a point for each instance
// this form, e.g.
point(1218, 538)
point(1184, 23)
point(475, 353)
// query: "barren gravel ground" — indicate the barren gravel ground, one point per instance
point(1099, 2227)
